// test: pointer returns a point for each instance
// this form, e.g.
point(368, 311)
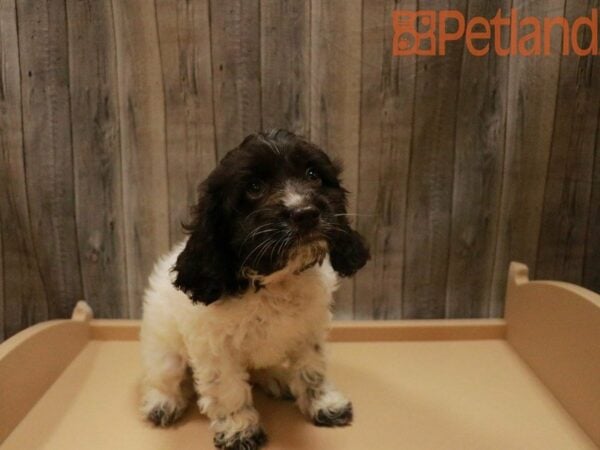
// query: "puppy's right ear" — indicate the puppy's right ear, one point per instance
point(201, 269)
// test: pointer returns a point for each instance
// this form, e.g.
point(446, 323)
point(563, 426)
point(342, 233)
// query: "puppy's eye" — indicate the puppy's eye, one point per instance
point(255, 188)
point(312, 174)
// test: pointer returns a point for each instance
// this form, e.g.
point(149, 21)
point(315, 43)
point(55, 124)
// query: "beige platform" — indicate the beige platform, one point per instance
point(530, 382)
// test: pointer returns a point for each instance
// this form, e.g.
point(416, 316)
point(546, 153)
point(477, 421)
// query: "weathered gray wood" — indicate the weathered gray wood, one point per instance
point(591, 270)
point(2, 332)
point(127, 104)
point(531, 104)
point(566, 210)
point(24, 299)
point(285, 64)
point(479, 152)
point(235, 43)
point(387, 100)
point(97, 156)
point(184, 36)
point(48, 152)
point(430, 181)
point(142, 124)
point(335, 98)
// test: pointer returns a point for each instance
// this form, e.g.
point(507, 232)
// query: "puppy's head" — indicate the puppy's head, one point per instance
point(273, 201)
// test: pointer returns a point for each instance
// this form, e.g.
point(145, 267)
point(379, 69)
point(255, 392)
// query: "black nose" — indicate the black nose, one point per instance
point(307, 216)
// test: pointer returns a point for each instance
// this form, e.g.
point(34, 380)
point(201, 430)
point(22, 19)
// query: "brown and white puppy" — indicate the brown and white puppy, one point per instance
point(246, 297)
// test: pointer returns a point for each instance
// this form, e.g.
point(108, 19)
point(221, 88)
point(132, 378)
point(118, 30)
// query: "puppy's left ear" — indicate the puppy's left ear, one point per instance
point(348, 250)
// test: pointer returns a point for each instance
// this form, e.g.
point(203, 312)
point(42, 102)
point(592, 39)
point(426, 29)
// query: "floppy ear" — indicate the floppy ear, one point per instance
point(203, 269)
point(348, 250)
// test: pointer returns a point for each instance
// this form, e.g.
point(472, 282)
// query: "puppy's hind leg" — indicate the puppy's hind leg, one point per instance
point(167, 385)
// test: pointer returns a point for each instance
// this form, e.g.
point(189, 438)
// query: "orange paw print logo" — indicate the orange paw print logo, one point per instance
point(414, 33)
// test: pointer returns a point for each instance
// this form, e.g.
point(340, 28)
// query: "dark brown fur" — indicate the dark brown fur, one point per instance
point(243, 194)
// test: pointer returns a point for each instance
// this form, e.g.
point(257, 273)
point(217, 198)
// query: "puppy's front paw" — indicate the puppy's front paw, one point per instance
point(162, 415)
point(252, 439)
point(162, 409)
point(334, 417)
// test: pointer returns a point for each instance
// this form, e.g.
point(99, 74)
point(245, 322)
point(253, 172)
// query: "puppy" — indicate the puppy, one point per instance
point(246, 298)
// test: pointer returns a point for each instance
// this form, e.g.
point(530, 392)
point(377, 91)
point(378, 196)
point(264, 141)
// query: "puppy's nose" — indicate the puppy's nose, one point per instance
point(305, 217)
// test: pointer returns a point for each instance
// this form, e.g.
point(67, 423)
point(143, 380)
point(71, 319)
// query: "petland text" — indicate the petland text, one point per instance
point(428, 32)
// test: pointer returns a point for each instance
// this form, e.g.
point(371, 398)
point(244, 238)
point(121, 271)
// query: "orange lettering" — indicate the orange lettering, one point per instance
point(534, 36)
point(593, 26)
point(473, 35)
point(548, 24)
point(498, 22)
point(444, 35)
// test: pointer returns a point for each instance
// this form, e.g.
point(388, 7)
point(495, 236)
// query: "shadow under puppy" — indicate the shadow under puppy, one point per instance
point(268, 239)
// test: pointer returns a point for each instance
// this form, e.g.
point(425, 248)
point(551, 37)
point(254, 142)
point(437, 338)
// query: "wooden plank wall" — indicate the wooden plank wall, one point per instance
point(111, 112)
point(21, 277)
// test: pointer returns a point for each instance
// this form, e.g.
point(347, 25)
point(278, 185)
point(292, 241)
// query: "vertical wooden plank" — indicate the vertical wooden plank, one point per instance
point(184, 35)
point(142, 124)
point(566, 210)
point(479, 150)
point(97, 156)
point(386, 115)
point(2, 333)
point(430, 179)
point(235, 43)
point(532, 87)
point(285, 64)
point(48, 152)
point(335, 98)
point(24, 299)
point(591, 271)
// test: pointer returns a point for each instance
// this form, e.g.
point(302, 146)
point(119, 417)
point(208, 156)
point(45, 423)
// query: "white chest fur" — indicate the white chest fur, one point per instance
point(259, 328)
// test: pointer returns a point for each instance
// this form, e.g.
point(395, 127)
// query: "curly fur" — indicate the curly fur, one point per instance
point(246, 297)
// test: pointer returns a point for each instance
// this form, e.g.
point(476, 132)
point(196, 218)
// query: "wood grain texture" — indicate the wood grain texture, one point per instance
point(532, 88)
point(285, 65)
point(23, 300)
point(97, 156)
point(562, 239)
point(111, 113)
point(591, 270)
point(386, 114)
point(2, 332)
point(142, 124)
point(235, 44)
point(478, 159)
point(43, 53)
point(184, 35)
point(429, 206)
point(334, 99)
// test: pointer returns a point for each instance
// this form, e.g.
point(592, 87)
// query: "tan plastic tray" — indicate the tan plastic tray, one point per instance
point(531, 381)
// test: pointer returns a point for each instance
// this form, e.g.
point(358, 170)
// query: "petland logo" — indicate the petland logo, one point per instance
point(428, 32)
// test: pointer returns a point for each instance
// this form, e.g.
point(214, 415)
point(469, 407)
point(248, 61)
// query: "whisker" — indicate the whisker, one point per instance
point(268, 230)
point(264, 250)
point(254, 231)
point(280, 244)
point(256, 212)
point(276, 243)
point(267, 244)
point(328, 226)
point(273, 248)
point(258, 246)
point(284, 243)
